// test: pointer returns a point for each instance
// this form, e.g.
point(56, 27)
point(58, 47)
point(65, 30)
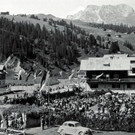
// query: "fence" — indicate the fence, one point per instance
point(25, 88)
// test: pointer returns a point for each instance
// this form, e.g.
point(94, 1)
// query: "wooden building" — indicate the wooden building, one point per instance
point(110, 72)
point(4, 13)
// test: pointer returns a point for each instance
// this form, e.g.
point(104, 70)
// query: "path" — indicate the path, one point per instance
point(53, 131)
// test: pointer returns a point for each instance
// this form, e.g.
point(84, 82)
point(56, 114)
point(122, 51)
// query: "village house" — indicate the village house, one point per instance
point(4, 13)
point(110, 72)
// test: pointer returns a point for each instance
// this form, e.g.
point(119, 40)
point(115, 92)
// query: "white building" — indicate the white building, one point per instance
point(110, 72)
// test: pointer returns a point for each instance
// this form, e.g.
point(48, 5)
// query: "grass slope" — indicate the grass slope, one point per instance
point(99, 31)
point(83, 25)
point(95, 31)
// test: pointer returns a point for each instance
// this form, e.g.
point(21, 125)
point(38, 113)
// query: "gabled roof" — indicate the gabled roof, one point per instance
point(108, 62)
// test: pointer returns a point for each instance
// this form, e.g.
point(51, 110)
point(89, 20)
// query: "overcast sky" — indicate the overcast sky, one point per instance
point(59, 8)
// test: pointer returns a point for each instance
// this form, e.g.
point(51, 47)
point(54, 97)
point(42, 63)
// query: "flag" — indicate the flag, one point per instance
point(31, 71)
point(78, 71)
point(1, 73)
point(11, 64)
point(73, 70)
point(6, 62)
point(24, 71)
point(99, 76)
point(60, 73)
point(27, 77)
point(40, 73)
point(36, 74)
point(87, 87)
point(19, 75)
point(123, 108)
point(16, 75)
point(34, 65)
point(46, 79)
point(5, 71)
point(43, 77)
point(17, 69)
point(70, 76)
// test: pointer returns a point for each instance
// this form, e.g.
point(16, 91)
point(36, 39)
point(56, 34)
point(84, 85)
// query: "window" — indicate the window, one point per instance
point(128, 85)
point(2, 82)
point(116, 76)
point(94, 85)
point(88, 132)
point(107, 64)
point(132, 61)
point(70, 125)
point(107, 76)
point(115, 85)
point(65, 124)
point(133, 70)
point(93, 76)
point(77, 124)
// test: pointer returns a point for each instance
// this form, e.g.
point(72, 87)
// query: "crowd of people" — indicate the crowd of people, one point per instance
point(105, 111)
point(110, 111)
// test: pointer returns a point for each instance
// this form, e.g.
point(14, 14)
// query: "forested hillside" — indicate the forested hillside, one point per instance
point(123, 28)
point(50, 48)
point(59, 47)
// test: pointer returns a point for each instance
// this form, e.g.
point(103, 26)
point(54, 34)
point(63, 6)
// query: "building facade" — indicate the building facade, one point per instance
point(110, 72)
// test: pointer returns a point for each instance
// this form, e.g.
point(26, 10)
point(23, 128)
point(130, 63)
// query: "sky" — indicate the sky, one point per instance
point(58, 8)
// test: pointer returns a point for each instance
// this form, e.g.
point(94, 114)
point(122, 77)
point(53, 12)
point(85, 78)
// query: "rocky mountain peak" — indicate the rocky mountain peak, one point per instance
point(115, 14)
point(92, 7)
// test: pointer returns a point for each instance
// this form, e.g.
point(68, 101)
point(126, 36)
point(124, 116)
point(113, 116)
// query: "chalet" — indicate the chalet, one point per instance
point(22, 15)
point(110, 72)
point(2, 75)
point(4, 13)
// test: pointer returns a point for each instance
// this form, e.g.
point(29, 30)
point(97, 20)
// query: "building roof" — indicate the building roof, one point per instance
point(108, 62)
point(116, 55)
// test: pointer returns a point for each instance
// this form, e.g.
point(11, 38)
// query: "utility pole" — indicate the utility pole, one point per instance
point(48, 105)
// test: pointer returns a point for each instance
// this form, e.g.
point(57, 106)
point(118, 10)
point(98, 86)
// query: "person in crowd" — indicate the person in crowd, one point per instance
point(112, 111)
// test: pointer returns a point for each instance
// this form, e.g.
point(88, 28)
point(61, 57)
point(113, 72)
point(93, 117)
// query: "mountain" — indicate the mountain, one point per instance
point(117, 14)
point(53, 43)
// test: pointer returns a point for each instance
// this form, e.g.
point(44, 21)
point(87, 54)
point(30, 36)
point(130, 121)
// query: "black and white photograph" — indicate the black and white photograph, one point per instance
point(67, 67)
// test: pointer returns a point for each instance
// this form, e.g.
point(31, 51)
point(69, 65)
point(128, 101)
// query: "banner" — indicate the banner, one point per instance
point(99, 76)
point(47, 77)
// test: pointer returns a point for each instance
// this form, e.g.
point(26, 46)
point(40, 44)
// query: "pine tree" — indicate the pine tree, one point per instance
point(114, 48)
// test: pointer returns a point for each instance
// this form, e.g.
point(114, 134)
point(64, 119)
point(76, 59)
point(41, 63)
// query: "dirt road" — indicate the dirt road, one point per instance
point(38, 131)
point(53, 131)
